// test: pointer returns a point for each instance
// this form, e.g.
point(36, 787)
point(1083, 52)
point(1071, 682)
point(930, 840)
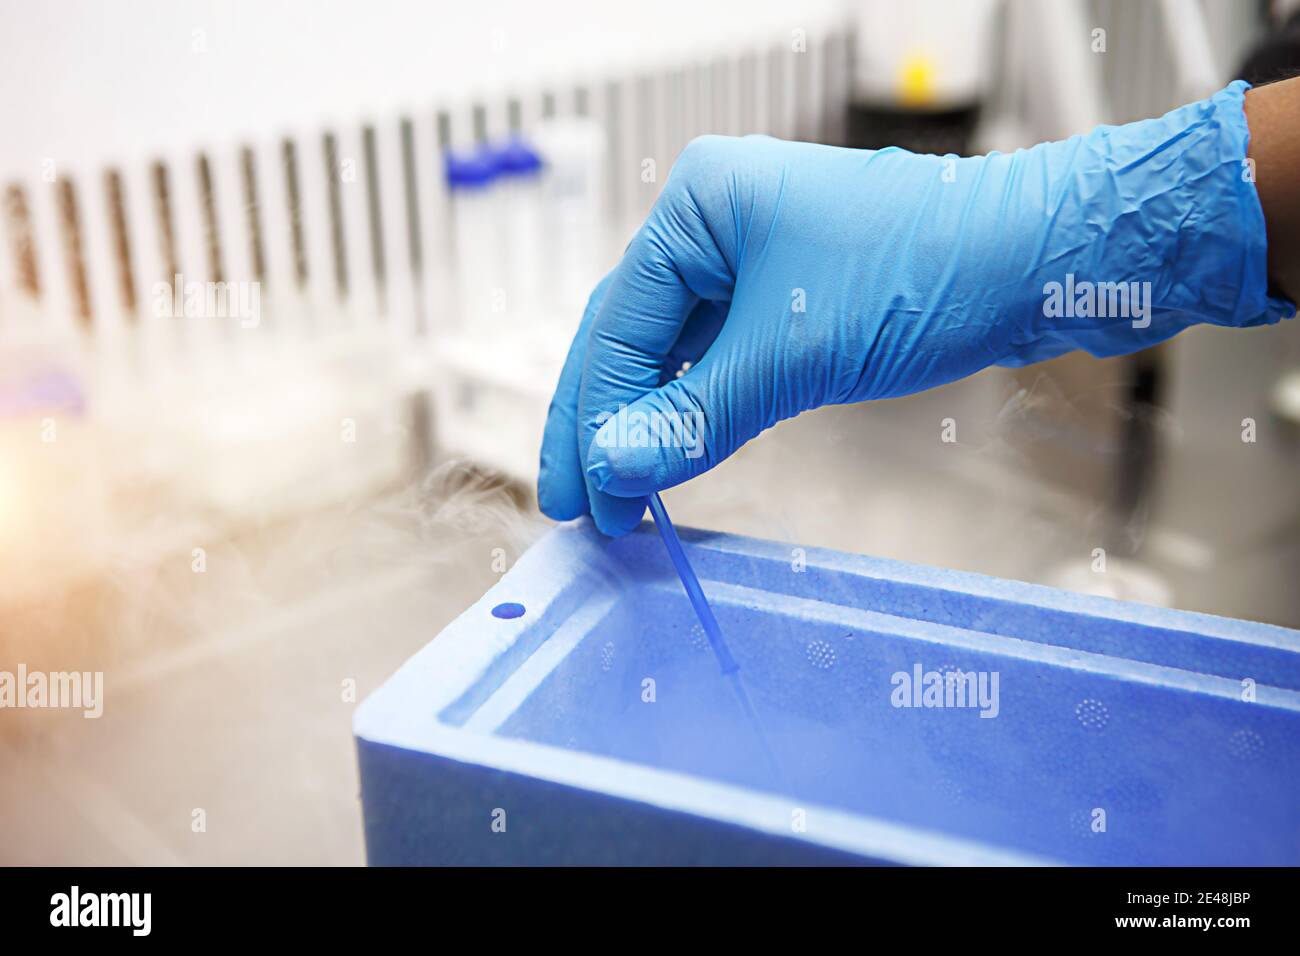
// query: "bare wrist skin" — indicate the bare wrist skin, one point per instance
point(1273, 114)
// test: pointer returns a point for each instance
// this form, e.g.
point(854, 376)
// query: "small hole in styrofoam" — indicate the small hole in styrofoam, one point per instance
point(1245, 744)
point(1092, 714)
point(508, 611)
point(1083, 823)
point(821, 655)
point(953, 788)
point(699, 640)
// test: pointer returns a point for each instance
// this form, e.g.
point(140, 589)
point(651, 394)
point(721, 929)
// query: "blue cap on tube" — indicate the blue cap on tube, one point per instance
point(516, 157)
point(471, 169)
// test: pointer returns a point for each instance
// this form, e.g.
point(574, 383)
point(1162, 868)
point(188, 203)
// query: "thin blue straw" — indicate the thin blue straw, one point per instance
point(730, 669)
point(692, 585)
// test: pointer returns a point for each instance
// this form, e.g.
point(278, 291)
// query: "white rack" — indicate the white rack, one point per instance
point(188, 428)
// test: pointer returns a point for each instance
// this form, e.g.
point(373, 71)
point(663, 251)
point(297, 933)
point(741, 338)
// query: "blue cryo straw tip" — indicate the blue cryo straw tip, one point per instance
point(692, 585)
point(730, 669)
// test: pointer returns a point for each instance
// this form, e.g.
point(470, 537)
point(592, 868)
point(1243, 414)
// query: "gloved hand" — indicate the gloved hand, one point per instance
point(793, 275)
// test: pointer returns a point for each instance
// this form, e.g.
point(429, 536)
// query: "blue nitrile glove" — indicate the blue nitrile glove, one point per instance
point(794, 275)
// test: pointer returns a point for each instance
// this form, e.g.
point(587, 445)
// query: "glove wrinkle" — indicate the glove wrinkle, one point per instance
point(793, 275)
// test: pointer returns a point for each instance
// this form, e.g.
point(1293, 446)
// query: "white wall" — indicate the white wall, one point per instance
point(88, 80)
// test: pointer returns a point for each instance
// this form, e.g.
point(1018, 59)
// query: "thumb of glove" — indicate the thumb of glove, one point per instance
point(667, 436)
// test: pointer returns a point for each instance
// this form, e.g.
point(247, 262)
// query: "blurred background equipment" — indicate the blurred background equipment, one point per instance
point(407, 278)
point(285, 288)
point(920, 74)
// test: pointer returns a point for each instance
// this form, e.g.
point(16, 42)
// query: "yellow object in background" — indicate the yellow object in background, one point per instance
point(916, 80)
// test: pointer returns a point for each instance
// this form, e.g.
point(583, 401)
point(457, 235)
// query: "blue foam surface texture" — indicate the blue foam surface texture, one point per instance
point(597, 729)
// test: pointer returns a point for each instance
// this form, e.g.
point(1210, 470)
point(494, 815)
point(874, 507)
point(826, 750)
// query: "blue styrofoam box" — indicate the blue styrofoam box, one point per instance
point(594, 727)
